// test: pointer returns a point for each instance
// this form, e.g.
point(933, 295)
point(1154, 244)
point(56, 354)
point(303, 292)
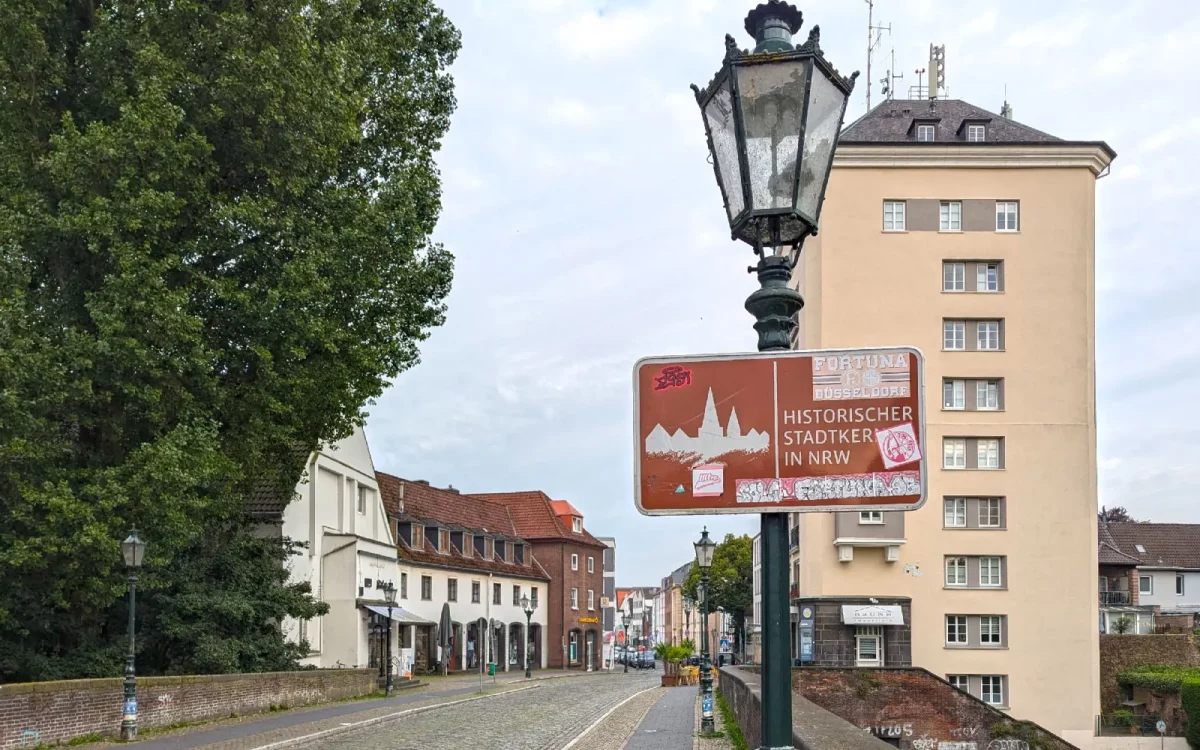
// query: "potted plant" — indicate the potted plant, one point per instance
point(672, 657)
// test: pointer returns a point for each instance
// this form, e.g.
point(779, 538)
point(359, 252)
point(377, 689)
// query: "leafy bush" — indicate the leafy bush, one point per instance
point(1160, 679)
point(1123, 625)
point(1189, 696)
point(1122, 718)
point(1026, 731)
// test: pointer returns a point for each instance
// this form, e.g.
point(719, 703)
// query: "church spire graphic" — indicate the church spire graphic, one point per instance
point(711, 440)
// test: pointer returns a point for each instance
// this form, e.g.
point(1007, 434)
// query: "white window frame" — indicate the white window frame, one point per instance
point(954, 453)
point(986, 507)
point(987, 395)
point(1006, 210)
point(987, 583)
point(991, 630)
point(987, 453)
point(957, 565)
point(1179, 584)
point(990, 696)
point(987, 335)
point(956, 630)
point(954, 395)
point(574, 562)
point(1146, 589)
point(954, 335)
point(362, 498)
point(574, 598)
point(868, 634)
point(987, 278)
point(950, 216)
point(960, 681)
point(870, 517)
point(976, 133)
point(895, 216)
point(954, 277)
point(926, 133)
point(577, 524)
point(591, 564)
point(954, 512)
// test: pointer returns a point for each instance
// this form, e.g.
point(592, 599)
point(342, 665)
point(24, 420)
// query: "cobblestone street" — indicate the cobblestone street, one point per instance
point(544, 717)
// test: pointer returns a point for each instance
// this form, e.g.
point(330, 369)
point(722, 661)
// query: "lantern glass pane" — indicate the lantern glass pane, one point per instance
point(820, 137)
point(772, 101)
point(718, 113)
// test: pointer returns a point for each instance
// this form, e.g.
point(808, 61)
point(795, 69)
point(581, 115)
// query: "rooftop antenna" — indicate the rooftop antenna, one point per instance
point(918, 91)
point(888, 81)
point(937, 70)
point(874, 36)
point(1006, 110)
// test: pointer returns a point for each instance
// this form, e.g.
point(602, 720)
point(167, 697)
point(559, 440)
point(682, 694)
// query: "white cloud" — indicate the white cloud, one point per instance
point(1051, 34)
point(571, 112)
point(595, 35)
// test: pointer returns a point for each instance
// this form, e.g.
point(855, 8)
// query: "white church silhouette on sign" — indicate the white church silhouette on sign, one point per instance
point(712, 440)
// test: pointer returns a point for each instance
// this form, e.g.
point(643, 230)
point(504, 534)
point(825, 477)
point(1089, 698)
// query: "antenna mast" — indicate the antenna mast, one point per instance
point(889, 81)
point(874, 36)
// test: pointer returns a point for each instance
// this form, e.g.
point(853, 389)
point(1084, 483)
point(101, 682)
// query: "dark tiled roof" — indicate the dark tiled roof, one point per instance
point(893, 121)
point(533, 515)
point(272, 495)
point(1171, 545)
point(1110, 555)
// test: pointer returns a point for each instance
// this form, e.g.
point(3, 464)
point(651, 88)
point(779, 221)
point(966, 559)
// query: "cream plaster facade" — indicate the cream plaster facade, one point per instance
point(864, 286)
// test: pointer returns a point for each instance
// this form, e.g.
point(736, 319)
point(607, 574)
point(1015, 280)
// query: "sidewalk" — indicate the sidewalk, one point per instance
point(670, 724)
point(262, 729)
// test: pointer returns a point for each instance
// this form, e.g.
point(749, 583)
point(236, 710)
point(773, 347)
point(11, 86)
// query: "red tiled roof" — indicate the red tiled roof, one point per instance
point(427, 555)
point(533, 516)
point(1170, 545)
point(563, 508)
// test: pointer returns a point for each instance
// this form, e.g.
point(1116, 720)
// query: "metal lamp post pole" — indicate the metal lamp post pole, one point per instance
point(528, 640)
point(129, 724)
point(707, 725)
point(389, 592)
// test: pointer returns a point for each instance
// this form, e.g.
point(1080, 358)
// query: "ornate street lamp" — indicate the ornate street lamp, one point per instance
point(133, 549)
point(527, 607)
point(704, 555)
point(772, 117)
point(389, 594)
point(625, 632)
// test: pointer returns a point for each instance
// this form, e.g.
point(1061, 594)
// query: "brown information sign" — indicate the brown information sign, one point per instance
point(833, 429)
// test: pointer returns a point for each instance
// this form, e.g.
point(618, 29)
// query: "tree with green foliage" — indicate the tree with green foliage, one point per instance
point(1189, 697)
point(730, 581)
point(215, 221)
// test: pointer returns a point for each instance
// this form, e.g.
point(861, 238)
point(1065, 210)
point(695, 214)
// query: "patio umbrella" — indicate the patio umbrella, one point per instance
point(445, 636)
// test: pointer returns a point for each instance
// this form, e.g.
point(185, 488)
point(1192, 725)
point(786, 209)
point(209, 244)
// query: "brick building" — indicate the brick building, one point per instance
point(573, 558)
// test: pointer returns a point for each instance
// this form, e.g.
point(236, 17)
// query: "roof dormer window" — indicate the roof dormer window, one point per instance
point(926, 133)
point(976, 133)
point(577, 524)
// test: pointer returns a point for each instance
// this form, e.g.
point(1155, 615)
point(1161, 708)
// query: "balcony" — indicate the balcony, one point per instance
point(794, 591)
point(1114, 597)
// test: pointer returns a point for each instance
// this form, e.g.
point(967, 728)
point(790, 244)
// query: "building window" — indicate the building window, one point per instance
point(987, 395)
point(574, 598)
point(989, 513)
point(591, 564)
point(496, 593)
point(956, 630)
point(987, 277)
point(577, 524)
point(955, 511)
point(954, 395)
point(516, 596)
point(452, 589)
point(870, 517)
point(988, 337)
point(574, 562)
point(989, 571)
point(951, 217)
point(1145, 585)
point(1006, 216)
point(954, 453)
point(954, 277)
point(988, 453)
point(893, 216)
point(362, 498)
point(474, 592)
point(926, 133)
point(591, 599)
point(956, 571)
point(975, 133)
point(954, 335)
point(992, 689)
point(404, 585)
point(533, 596)
point(573, 647)
point(868, 651)
point(426, 588)
point(1179, 584)
point(989, 630)
point(959, 681)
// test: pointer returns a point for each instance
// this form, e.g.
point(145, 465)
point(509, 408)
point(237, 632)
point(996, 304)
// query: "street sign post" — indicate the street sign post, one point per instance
point(819, 430)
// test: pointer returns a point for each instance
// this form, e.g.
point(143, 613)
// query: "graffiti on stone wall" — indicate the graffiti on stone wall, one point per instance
point(898, 729)
point(31, 737)
point(1008, 743)
point(960, 739)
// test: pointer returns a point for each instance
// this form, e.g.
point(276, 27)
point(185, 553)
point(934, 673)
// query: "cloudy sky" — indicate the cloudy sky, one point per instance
point(589, 232)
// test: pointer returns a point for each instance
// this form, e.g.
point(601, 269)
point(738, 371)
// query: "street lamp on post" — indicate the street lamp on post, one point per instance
point(133, 549)
point(704, 555)
point(527, 607)
point(389, 593)
point(772, 118)
point(625, 632)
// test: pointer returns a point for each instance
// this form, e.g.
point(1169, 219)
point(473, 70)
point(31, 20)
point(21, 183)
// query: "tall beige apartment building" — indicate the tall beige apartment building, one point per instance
point(972, 237)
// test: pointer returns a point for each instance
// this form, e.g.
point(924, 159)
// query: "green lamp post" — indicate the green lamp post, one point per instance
point(772, 117)
point(133, 549)
point(389, 594)
point(527, 607)
point(704, 555)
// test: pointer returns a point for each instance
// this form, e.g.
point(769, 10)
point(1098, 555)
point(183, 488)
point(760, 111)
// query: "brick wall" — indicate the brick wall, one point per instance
point(1120, 652)
point(833, 641)
point(555, 557)
point(36, 713)
point(917, 710)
